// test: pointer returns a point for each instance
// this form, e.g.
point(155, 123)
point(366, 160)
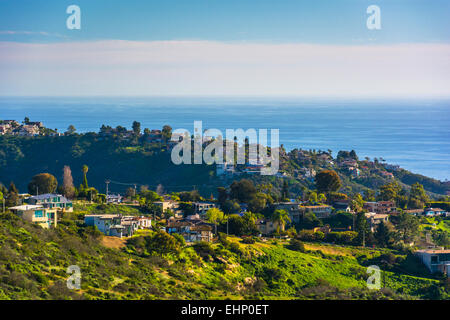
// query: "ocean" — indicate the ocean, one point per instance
point(414, 134)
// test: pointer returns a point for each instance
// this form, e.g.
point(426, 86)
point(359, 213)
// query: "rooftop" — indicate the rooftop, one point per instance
point(27, 207)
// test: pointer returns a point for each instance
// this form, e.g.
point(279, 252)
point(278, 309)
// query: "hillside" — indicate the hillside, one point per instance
point(33, 264)
point(136, 161)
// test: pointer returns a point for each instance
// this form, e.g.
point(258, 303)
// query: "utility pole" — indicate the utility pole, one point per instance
point(364, 237)
point(107, 189)
point(37, 190)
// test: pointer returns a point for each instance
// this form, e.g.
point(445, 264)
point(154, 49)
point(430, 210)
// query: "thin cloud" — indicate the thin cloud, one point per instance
point(31, 33)
point(119, 67)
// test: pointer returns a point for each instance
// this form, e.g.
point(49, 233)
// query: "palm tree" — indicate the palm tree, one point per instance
point(85, 171)
point(280, 217)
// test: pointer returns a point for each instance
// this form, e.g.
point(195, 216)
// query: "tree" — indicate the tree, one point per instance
point(407, 227)
point(328, 181)
point(309, 221)
point(71, 129)
point(389, 192)
point(441, 238)
point(215, 216)
point(383, 235)
point(258, 203)
point(362, 228)
point(163, 243)
point(280, 217)
point(285, 190)
point(417, 197)
point(357, 203)
point(130, 193)
point(369, 195)
point(42, 183)
point(312, 197)
point(321, 198)
point(136, 128)
point(68, 187)
point(26, 120)
point(85, 181)
point(243, 190)
point(222, 195)
point(13, 195)
point(167, 132)
point(12, 188)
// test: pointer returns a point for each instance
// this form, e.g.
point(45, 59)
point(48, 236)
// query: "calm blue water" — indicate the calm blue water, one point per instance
point(413, 134)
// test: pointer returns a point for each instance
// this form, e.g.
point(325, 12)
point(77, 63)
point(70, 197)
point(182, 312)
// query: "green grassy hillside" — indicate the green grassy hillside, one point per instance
point(33, 264)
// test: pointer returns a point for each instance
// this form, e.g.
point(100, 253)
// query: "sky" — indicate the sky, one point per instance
point(232, 48)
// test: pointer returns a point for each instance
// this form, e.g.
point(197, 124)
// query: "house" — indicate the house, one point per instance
point(44, 217)
point(192, 229)
point(226, 168)
point(139, 222)
point(321, 211)
point(5, 128)
point(201, 208)
point(348, 163)
point(381, 207)
point(434, 212)
point(392, 167)
point(116, 225)
point(35, 123)
point(375, 219)
point(342, 205)
point(292, 208)
point(435, 260)
point(415, 212)
point(113, 198)
point(267, 227)
point(169, 205)
point(51, 200)
point(386, 174)
point(296, 211)
point(28, 130)
point(106, 222)
point(154, 136)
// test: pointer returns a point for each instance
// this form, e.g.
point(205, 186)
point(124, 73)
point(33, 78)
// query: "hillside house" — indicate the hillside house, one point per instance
point(267, 227)
point(191, 228)
point(342, 205)
point(375, 219)
point(51, 200)
point(431, 212)
point(169, 205)
point(435, 260)
point(321, 211)
point(201, 208)
point(116, 225)
point(37, 214)
point(380, 207)
point(27, 131)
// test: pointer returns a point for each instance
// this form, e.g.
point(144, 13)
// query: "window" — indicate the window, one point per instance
point(38, 214)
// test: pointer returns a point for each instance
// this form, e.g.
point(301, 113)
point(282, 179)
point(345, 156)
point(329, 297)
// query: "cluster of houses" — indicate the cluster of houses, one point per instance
point(12, 127)
point(117, 225)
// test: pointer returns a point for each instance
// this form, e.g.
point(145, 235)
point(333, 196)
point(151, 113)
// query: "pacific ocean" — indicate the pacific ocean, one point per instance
point(412, 133)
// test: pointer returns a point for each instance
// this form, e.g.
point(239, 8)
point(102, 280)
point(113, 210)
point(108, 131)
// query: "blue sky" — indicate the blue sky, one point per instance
point(225, 47)
point(318, 21)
